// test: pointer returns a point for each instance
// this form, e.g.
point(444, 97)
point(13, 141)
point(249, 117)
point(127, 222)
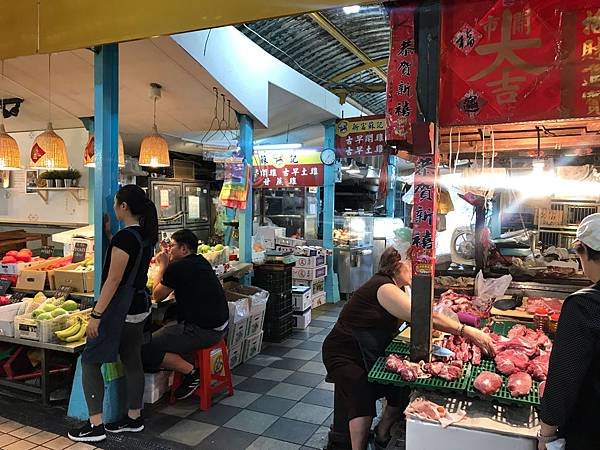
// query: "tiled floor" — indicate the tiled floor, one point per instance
point(281, 399)
point(16, 436)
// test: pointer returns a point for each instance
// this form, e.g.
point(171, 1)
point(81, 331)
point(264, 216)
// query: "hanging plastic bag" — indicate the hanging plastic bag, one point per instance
point(487, 290)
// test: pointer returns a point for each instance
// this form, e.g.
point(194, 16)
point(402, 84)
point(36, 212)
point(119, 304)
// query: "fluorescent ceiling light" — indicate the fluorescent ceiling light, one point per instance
point(351, 9)
point(276, 146)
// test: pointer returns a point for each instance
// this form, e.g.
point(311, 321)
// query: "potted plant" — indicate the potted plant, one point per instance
point(49, 176)
point(59, 178)
point(71, 177)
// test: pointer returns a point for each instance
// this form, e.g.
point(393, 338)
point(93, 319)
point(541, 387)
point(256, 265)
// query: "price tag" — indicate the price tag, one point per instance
point(63, 291)
point(4, 285)
point(47, 251)
point(17, 297)
point(79, 251)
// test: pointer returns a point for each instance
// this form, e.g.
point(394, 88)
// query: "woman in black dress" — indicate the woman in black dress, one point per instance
point(367, 324)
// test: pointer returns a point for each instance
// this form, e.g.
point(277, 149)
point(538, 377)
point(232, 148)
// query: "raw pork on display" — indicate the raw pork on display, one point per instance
point(488, 383)
point(407, 370)
point(554, 305)
point(511, 361)
point(448, 372)
point(542, 388)
point(427, 410)
point(538, 367)
point(519, 384)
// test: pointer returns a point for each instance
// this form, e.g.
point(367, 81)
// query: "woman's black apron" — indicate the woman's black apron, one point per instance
point(105, 347)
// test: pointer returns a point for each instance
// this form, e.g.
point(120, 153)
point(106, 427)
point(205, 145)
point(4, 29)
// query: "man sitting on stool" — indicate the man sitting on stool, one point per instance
point(202, 311)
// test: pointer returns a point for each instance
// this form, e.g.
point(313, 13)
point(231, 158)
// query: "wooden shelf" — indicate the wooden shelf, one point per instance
point(43, 192)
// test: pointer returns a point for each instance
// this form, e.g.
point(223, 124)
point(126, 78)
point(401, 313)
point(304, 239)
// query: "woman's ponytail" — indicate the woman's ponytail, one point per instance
point(141, 206)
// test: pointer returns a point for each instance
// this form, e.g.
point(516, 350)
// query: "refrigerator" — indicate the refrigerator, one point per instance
point(181, 204)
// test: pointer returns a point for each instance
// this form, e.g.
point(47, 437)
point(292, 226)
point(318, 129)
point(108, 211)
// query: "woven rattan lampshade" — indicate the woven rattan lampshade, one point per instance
point(49, 151)
point(10, 157)
point(89, 159)
point(154, 151)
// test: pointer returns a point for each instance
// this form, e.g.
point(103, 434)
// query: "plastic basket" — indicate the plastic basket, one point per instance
point(279, 305)
point(276, 282)
point(276, 330)
point(503, 395)
point(379, 374)
point(398, 347)
point(26, 327)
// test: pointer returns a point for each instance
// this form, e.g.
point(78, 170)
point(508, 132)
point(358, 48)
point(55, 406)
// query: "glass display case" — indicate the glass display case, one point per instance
point(353, 230)
point(297, 210)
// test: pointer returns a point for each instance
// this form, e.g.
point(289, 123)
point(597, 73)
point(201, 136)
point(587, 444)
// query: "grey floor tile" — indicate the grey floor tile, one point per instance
point(263, 360)
point(306, 412)
point(322, 323)
point(318, 338)
point(182, 408)
point(237, 379)
point(328, 318)
point(246, 370)
point(217, 415)
point(290, 342)
point(328, 421)
point(276, 406)
point(296, 353)
point(251, 422)
point(319, 397)
point(189, 432)
point(266, 443)
point(273, 350)
point(290, 391)
point(301, 335)
point(326, 386)
point(156, 423)
point(288, 364)
point(319, 439)
point(256, 385)
point(310, 345)
point(227, 438)
point(314, 367)
point(318, 358)
point(271, 373)
point(305, 379)
point(314, 330)
point(291, 431)
point(240, 399)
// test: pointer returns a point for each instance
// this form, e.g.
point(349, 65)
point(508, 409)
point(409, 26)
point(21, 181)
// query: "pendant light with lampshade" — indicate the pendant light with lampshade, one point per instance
point(154, 149)
point(10, 156)
point(89, 158)
point(49, 150)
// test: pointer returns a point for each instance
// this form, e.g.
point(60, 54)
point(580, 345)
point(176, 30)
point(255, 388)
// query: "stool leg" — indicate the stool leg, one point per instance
point(226, 368)
point(205, 381)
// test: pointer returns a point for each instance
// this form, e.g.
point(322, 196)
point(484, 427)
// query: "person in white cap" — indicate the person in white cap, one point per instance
point(569, 408)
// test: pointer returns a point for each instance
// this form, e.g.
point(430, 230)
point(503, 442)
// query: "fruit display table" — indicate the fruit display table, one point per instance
point(45, 348)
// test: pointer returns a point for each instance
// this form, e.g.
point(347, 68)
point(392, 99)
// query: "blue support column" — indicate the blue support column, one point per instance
point(88, 123)
point(390, 199)
point(331, 282)
point(245, 216)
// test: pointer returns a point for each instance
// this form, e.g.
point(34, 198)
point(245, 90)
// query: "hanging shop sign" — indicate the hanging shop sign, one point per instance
point(360, 137)
point(500, 62)
point(424, 216)
point(287, 169)
point(401, 104)
point(587, 69)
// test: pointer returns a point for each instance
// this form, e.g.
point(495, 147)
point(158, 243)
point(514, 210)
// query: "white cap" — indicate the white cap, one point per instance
point(589, 231)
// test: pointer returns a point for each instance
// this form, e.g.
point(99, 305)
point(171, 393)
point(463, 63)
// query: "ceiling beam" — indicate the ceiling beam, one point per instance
point(334, 31)
point(346, 73)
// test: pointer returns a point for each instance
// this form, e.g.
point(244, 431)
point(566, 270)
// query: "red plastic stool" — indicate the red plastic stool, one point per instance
point(206, 389)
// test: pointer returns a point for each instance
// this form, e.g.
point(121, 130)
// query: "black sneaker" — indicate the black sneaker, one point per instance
point(88, 433)
point(188, 386)
point(126, 425)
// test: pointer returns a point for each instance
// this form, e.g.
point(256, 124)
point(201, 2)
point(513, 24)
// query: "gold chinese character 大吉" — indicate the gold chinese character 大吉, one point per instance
point(507, 92)
point(505, 50)
point(591, 24)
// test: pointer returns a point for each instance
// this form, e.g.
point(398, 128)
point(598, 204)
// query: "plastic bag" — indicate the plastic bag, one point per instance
point(487, 290)
point(239, 310)
point(444, 310)
point(559, 444)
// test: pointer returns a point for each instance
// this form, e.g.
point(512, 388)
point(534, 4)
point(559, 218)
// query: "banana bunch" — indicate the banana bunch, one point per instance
point(75, 332)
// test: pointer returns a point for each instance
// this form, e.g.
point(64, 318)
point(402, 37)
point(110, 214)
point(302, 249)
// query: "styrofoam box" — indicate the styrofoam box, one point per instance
point(252, 346)
point(303, 273)
point(316, 286)
point(156, 385)
point(301, 297)
point(7, 319)
point(270, 233)
point(255, 322)
point(236, 355)
point(310, 261)
point(237, 332)
point(318, 299)
point(288, 242)
point(302, 319)
point(15, 268)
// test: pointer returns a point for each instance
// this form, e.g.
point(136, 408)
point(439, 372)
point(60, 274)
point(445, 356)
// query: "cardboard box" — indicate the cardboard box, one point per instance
point(289, 242)
point(301, 319)
point(34, 277)
point(66, 276)
point(305, 273)
point(236, 355)
point(268, 234)
point(309, 250)
point(237, 332)
point(7, 319)
point(301, 297)
point(310, 261)
point(16, 268)
point(156, 385)
point(318, 300)
point(316, 286)
point(252, 346)
point(256, 322)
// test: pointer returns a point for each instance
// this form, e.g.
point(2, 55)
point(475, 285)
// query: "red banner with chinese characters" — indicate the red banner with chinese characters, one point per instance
point(501, 61)
point(401, 103)
point(360, 136)
point(424, 216)
point(287, 169)
point(587, 55)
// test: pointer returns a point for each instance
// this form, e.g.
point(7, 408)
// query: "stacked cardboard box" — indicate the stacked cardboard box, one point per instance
point(309, 282)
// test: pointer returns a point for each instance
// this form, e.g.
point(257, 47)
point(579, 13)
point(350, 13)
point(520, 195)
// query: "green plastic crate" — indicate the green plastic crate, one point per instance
point(398, 347)
point(503, 395)
point(379, 374)
point(502, 328)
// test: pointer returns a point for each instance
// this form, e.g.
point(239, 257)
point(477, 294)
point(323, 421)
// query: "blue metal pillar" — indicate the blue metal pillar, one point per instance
point(88, 123)
point(245, 216)
point(390, 199)
point(331, 282)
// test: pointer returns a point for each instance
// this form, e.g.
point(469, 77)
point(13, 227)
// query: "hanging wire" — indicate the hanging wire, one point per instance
point(3, 94)
point(450, 155)
point(154, 114)
point(483, 150)
point(215, 117)
point(493, 147)
point(49, 88)
point(457, 153)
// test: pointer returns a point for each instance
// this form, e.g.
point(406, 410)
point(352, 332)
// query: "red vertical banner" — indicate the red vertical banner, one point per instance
point(424, 216)
point(401, 104)
point(587, 55)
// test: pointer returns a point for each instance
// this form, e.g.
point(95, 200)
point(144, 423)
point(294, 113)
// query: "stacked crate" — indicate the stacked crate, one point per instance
point(309, 282)
point(276, 278)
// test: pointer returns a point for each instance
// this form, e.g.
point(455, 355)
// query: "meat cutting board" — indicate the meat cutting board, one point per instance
point(511, 313)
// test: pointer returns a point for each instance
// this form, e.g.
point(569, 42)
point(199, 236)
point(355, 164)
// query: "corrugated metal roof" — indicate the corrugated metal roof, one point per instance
point(302, 44)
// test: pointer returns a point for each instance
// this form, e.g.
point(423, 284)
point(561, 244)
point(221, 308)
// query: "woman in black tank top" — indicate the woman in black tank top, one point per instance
point(367, 324)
